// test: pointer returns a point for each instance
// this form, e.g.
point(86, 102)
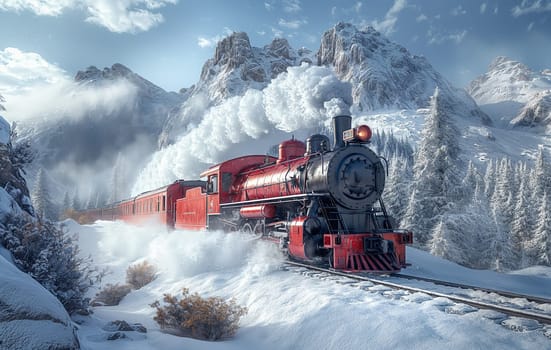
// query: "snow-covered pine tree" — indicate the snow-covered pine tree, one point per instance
point(437, 171)
point(76, 200)
point(398, 186)
point(117, 186)
point(522, 224)
point(43, 205)
point(446, 243)
point(490, 179)
point(540, 246)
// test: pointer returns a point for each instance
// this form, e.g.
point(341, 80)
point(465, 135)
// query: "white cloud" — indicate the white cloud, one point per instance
point(527, 7)
point(421, 18)
point(208, 42)
point(40, 7)
point(291, 24)
point(205, 42)
point(387, 25)
point(439, 38)
point(358, 6)
point(21, 71)
point(291, 6)
point(119, 16)
point(458, 11)
point(483, 7)
point(530, 26)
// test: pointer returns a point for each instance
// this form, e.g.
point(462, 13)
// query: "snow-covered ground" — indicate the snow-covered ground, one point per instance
point(288, 310)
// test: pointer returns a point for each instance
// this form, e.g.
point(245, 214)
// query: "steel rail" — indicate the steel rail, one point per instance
point(542, 318)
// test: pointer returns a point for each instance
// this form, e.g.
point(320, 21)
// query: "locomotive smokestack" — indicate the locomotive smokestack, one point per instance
point(340, 124)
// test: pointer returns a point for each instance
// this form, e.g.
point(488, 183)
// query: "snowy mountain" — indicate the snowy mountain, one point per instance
point(235, 68)
point(105, 114)
point(513, 93)
point(384, 74)
point(536, 111)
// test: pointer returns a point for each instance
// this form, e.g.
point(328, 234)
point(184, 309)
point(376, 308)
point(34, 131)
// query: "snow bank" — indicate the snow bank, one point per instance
point(31, 317)
point(300, 101)
point(286, 310)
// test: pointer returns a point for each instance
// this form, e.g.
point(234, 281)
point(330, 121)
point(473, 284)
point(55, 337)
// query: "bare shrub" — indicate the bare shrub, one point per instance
point(208, 319)
point(111, 295)
point(139, 275)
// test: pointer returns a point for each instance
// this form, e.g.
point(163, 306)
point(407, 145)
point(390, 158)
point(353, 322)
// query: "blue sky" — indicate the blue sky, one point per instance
point(167, 41)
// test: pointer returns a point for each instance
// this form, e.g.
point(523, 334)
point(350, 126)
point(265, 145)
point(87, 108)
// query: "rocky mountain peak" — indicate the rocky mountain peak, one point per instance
point(514, 69)
point(536, 112)
point(233, 50)
point(279, 47)
point(508, 80)
point(384, 74)
point(92, 73)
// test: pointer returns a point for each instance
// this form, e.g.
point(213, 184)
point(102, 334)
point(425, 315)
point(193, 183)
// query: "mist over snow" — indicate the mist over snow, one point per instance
point(69, 101)
point(300, 101)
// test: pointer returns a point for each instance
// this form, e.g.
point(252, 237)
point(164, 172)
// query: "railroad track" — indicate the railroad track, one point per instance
point(542, 316)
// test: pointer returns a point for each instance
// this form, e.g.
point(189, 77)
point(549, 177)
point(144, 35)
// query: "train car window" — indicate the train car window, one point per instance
point(158, 205)
point(213, 184)
point(226, 182)
point(164, 203)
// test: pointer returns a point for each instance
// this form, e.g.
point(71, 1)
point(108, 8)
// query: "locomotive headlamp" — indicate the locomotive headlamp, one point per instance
point(360, 134)
point(363, 133)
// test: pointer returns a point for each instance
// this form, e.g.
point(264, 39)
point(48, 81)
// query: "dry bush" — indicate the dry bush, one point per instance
point(140, 274)
point(111, 295)
point(208, 319)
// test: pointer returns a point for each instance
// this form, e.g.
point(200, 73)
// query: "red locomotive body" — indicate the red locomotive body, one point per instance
point(321, 205)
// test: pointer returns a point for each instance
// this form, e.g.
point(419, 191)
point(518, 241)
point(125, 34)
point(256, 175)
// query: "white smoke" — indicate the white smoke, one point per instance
point(300, 101)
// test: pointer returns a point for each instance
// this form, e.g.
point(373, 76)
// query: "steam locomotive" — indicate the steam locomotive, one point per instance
point(321, 205)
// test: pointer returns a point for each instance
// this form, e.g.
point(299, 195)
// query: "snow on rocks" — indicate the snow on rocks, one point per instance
point(31, 317)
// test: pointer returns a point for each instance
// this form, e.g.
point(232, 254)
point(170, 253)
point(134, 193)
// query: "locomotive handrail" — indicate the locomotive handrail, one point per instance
point(280, 199)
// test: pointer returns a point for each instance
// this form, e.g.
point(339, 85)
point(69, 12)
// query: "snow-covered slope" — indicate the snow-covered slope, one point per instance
point(513, 94)
point(290, 310)
point(31, 317)
point(508, 80)
point(536, 112)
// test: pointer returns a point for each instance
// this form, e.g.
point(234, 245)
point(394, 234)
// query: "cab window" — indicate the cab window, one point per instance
point(213, 184)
